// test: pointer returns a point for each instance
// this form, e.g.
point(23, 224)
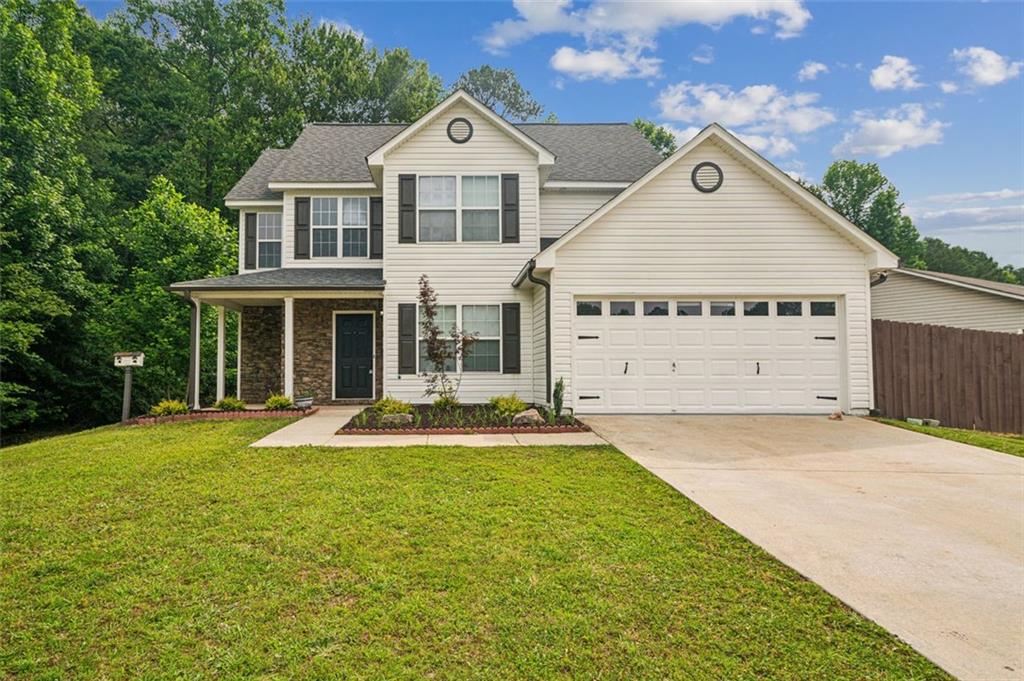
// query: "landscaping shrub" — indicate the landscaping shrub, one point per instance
point(168, 408)
point(507, 406)
point(278, 402)
point(558, 397)
point(391, 405)
point(446, 403)
point(230, 404)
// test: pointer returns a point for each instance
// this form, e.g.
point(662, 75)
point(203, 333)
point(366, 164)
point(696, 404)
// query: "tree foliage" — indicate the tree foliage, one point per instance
point(659, 137)
point(865, 197)
point(500, 90)
point(943, 257)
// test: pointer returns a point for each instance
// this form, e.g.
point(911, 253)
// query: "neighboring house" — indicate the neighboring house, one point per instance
point(908, 295)
point(706, 282)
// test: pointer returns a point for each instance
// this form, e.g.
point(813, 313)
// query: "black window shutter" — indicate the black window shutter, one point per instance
point(376, 227)
point(302, 228)
point(406, 209)
point(509, 209)
point(510, 338)
point(250, 241)
point(407, 338)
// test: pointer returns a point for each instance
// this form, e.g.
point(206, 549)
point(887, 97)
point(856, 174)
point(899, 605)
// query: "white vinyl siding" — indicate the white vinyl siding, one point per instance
point(906, 298)
point(463, 272)
point(562, 210)
point(669, 241)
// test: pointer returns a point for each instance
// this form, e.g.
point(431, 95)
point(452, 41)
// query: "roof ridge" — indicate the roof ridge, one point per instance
point(351, 124)
point(564, 124)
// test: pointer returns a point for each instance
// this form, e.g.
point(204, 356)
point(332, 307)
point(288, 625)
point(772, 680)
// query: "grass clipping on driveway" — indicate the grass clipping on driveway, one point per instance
point(174, 550)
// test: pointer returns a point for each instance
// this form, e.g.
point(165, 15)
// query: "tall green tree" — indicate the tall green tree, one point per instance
point(500, 90)
point(942, 257)
point(865, 197)
point(659, 137)
point(53, 254)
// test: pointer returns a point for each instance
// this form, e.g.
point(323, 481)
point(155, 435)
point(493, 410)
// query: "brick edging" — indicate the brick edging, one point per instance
point(219, 416)
point(494, 430)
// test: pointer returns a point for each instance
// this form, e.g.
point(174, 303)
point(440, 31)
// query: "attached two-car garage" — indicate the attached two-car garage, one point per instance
point(706, 355)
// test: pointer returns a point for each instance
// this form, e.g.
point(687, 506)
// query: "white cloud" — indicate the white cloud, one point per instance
point(770, 145)
point(948, 87)
point(342, 26)
point(604, 64)
point(906, 127)
point(811, 70)
point(985, 67)
point(895, 73)
point(704, 54)
point(975, 216)
point(962, 197)
point(682, 135)
point(758, 108)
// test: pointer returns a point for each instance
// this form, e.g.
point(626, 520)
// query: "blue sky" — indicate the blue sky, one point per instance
point(932, 92)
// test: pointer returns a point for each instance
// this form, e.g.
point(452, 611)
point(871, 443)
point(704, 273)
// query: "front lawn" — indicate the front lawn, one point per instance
point(176, 551)
point(1000, 442)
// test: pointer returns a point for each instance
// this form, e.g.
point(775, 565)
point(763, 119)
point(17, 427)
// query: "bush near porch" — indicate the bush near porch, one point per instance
point(458, 418)
point(178, 551)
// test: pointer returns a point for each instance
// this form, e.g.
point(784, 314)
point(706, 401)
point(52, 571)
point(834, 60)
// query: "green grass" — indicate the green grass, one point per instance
point(175, 551)
point(999, 442)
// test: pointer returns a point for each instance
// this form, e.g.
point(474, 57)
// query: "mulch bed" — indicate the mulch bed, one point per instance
point(217, 415)
point(470, 419)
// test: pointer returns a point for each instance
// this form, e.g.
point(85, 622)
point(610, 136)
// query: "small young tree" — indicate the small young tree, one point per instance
point(445, 348)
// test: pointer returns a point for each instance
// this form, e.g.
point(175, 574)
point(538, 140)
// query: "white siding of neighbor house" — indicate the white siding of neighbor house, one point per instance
point(461, 273)
point(562, 210)
point(746, 240)
point(906, 298)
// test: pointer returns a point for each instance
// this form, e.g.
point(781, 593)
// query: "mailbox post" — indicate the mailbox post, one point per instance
point(127, 360)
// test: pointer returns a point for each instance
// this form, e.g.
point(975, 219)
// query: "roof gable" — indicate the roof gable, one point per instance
point(544, 156)
point(879, 256)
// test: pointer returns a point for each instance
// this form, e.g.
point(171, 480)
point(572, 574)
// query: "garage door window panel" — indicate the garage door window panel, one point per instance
point(720, 309)
point(789, 308)
point(588, 308)
point(657, 308)
point(688, 309)
point(758, 308)
point(622, 308)
point(823, 308)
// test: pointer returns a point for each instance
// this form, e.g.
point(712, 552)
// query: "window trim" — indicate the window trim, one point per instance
point(339, 227)
point(459, 324)
point(279, 241)
point(458, 207)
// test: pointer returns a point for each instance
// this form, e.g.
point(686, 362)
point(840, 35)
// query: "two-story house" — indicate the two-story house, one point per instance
point(705, 282)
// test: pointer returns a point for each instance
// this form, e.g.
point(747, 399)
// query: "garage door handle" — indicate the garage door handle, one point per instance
point(626, 370)
point(824, 338)
point(758, 369)
point(826, 397)
point(588, 337)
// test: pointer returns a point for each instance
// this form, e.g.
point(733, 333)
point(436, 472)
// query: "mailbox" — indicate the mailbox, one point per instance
point(128, 359)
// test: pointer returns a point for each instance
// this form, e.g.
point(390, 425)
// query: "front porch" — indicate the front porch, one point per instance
point(301, 331)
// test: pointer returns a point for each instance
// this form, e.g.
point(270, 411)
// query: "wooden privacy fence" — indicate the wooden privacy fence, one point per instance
point(963, 378)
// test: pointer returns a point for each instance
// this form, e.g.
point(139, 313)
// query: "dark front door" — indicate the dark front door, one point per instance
point(353, 355)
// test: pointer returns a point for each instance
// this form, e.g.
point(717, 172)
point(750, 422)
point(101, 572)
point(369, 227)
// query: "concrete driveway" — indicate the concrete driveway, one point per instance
point(922, 535)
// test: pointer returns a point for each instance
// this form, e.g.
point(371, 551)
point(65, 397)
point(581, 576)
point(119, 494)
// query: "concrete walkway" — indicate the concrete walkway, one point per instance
point(922, 535)
point(320, 429)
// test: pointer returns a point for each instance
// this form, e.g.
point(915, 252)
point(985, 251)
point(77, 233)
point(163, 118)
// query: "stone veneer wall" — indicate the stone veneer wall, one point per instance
point(262, 352)
point(314, 344)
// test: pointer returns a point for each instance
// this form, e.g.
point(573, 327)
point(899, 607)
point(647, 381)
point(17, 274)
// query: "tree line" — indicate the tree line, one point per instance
point(862, 194)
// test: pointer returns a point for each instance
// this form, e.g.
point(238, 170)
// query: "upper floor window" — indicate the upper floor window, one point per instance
point(325, 227)
point(355, 221)
point(268, 240)
point(453, 208)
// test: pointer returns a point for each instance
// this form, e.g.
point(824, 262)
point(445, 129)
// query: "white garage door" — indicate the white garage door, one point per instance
point(706, 355)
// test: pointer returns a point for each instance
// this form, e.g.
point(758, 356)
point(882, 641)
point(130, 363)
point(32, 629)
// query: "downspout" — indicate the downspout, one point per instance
point(547, 326)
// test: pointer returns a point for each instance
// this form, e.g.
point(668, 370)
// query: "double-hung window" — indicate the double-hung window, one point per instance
point(268, 240)
point(437, 202)
point(445, 322)
point(355, 223)
point(480, 203)
point(485, 353)
point(325, 227)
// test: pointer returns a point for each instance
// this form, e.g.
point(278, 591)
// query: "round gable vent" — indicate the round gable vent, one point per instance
point(460, 130)
point(706, 177)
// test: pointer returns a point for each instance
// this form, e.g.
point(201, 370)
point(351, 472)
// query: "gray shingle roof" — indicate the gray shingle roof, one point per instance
point(322, 278)
point(594, 152)
point(333, 152)
point(253, 185)
point(336, 152)
point(1014, 290)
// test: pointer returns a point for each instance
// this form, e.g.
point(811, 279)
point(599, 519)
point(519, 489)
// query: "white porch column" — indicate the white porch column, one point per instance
point(289, 346)
point(220, 353)
point(197, 327)
point(238, 357)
